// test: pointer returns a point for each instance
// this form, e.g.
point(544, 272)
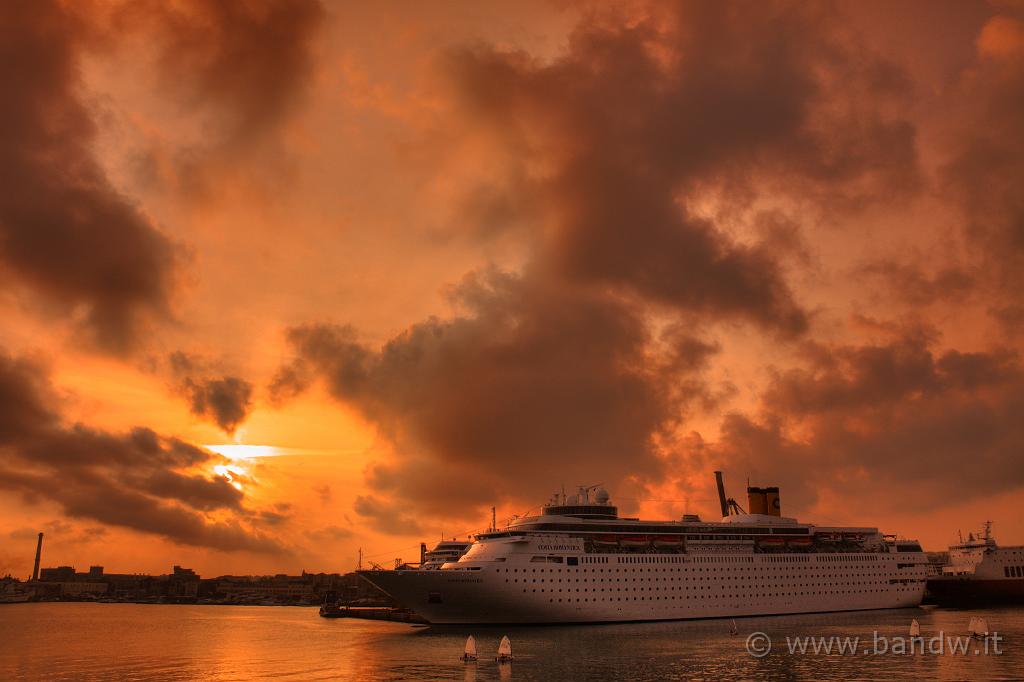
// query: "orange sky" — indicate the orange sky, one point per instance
point(420, 259)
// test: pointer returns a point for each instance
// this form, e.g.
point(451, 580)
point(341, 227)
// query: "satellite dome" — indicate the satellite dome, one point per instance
point(601, 496)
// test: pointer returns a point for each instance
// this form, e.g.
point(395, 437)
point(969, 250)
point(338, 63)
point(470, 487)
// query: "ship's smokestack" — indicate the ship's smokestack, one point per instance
point(39, 554)
point(772, 503)
point(757, 501)
point(721, 493)
point(423, 552)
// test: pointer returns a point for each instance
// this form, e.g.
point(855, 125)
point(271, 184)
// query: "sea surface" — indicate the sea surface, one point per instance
point(51, 641)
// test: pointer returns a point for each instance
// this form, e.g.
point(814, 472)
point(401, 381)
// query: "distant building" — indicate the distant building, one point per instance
point(63, 581)
point(61, 573)
point(182, 584)
point(279, 588)
point(82, 588)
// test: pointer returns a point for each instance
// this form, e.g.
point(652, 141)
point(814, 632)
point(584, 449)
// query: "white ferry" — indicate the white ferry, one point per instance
point(446, 551)
point(579, 562)
point(14, 591)
point(980, 572)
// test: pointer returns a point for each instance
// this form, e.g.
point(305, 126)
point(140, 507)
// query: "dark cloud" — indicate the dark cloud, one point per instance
point(642, 119)
point(1010, 316)
point(850, 377)
point(323, 492)
point(59, 529)
point(66, 233)
point(275, 516)
point(385, 516)
point(841, 378)
point(984, 166)
point(237, 70)
point(630, 149)
point(530, 375)
point(137, 480)
point(225, 400)
point(898, 423)
point(913, 284)
point(250, 62)
point(329, 534)
point(205, 494)
point(25, 398)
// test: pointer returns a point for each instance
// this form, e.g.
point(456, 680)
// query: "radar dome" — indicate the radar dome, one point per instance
point(601, 496)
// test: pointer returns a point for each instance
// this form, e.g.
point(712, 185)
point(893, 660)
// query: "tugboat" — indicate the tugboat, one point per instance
point(331, 607)
point(980, 572)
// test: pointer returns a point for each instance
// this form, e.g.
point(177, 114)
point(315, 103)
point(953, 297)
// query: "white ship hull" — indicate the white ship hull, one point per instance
point(658, 587)
point(980, 572)
point(579, 562)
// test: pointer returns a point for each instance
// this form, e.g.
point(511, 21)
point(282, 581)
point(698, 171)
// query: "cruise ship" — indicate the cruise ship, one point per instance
point(580, 562)
point(980, 572)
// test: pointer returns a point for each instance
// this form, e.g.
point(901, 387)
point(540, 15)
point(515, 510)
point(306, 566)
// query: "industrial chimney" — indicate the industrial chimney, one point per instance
point(721, 494)
point(39, 554)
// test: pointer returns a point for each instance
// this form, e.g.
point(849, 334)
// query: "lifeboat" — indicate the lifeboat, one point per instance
point(800, 542)
point(771, 541)
point(668, 541)
point(606, 540)
point(634, 541)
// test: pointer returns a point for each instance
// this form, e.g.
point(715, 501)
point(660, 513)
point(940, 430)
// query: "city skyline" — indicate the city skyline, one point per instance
point(281, 281)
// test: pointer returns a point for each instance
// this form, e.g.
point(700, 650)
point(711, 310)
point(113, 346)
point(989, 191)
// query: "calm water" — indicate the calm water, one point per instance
point(151, 642)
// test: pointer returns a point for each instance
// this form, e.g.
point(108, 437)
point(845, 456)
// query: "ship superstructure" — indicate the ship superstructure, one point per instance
point(579, 561)
point(14, 591)
point(446, 551)
point(979, 571)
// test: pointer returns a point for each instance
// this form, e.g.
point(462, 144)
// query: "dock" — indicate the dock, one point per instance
point(371, 613)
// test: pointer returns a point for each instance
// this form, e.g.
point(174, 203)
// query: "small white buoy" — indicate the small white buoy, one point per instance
point(470, 652)
point(504, 650)
point(915, 628)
